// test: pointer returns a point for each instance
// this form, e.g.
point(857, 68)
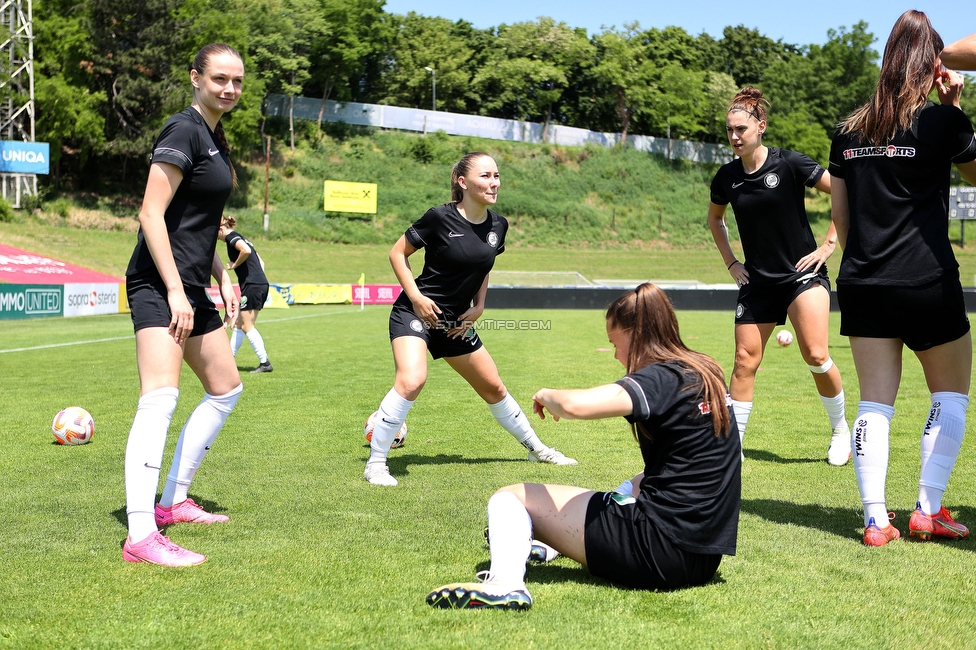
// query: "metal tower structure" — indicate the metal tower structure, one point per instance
point(17, 89)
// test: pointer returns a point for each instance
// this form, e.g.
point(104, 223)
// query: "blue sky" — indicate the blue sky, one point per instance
point(800, 23)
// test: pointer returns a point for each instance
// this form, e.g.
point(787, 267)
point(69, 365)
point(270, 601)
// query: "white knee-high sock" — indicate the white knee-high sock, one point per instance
point(870, 447)
point(509, 414)
point(236, 340)
point(257, 342)
point(143, 458)
point(509, 538)
point(941, 440)
point(198, 435)
point(392, 412)
point(741, 410)
point(836, 411)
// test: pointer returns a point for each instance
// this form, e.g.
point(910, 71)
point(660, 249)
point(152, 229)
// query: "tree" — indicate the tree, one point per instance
point(133, 44)
point(622, 67)
point(528, 69)
point(357, 32)
point(746, 54)
point(452, 50)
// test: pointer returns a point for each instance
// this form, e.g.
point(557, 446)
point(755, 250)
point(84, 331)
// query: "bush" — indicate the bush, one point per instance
point(6, 212)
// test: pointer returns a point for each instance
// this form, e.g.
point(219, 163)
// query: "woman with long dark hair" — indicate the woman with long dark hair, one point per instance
point(667, 528)
point(898, 283)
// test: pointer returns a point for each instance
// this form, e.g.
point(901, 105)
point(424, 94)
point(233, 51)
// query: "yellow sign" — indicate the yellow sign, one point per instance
point(350, 197)
point(316, 294)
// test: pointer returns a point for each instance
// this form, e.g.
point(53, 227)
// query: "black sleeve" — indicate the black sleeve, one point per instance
point(175, 145)
point(652, 389)
point(718, 196)
point(960, 140)
point(806, 170)
point(836, 167)
point(501, 244)
point(421, 233)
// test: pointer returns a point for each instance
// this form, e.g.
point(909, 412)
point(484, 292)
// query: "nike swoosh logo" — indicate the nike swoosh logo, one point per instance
point(150, 466)
point(213, 152)
point(734, 185)
point(455, 234)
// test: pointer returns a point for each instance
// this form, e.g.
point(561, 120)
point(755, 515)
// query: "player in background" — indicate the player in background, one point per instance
point(249, 267)
point(190, 179)
point(437, 311)
point(667, 528)
point(898, 283)
point(784, 272)
point(961, 55)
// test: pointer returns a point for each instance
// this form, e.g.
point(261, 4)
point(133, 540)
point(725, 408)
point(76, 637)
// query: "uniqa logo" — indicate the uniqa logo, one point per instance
point(10, 155)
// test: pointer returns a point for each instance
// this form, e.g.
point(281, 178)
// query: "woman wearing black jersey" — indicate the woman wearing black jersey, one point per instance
point(249, 267)
point(190, 178)
point(783, 273)
point(436, 312)
point(898, 283)
point(671, 525)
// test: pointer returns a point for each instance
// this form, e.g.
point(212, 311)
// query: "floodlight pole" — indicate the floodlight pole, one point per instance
point(17, 88)
point(433, 85)
point(267, 173)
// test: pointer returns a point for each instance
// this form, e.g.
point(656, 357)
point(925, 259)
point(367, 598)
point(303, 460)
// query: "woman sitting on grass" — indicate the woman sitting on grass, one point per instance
point(667, 529)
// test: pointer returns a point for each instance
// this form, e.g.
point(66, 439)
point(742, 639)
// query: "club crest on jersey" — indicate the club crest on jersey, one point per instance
point(704, 408)
point(493, 239)
point(771, 180)
point(739, 310)
point(416, 325)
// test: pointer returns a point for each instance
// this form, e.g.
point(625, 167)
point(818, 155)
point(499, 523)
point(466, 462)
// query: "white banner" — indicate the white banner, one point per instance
point(91, 299)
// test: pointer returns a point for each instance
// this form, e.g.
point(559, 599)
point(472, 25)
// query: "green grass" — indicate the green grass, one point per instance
point(315, 557)
point(313, 261)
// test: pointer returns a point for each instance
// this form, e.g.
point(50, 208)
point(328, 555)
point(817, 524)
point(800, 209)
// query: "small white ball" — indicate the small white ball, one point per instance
point(784, 337)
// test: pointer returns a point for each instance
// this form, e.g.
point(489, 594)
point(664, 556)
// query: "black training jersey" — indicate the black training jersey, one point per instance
point(459, 254)
point(769, 212)
point(898, 197)
point(250, 272)
point(692, 478)
point(193, 216)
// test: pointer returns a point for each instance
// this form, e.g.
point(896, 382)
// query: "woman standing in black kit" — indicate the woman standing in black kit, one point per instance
point(436, 312)
point(783, 273)
point(249, 267)
point(190, 179)
point(899, 280)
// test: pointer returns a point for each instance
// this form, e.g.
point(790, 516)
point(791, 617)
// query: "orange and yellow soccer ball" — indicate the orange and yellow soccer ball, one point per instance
point(73, 426)
point(398, 439)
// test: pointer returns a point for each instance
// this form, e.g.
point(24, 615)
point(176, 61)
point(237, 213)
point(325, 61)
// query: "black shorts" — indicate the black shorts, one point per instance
point(149, 307)
point(922, 317)
point(626, 548)
point(769, 303)
point(253, 297)
point(404, 322)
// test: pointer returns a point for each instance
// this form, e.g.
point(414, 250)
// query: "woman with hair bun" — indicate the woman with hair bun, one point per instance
point(670, 525)
point(436, 311)
point(898, 283)
point(784, 272)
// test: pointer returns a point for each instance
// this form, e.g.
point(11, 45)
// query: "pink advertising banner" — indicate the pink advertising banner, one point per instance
point(22, 267)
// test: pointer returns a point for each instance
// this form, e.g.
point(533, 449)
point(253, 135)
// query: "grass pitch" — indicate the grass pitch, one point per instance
point(315, 557)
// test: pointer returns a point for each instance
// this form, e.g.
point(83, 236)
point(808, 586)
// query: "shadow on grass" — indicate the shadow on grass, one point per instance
point(843, 522)
point(770, 457)
point(398, 464)
point(556, 572)
point(210, 506)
